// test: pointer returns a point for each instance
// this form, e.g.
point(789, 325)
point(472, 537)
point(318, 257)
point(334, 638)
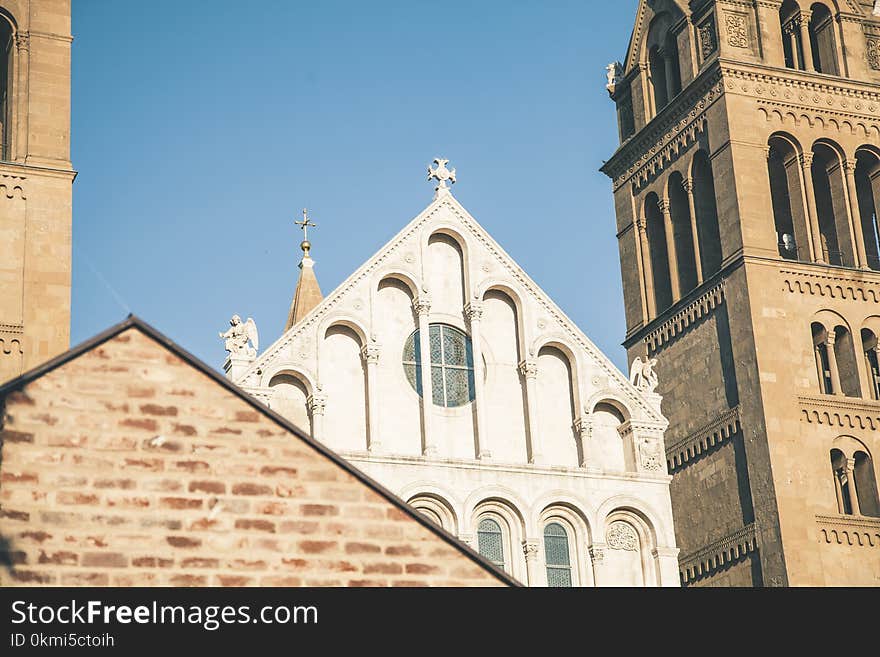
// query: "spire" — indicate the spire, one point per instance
point(308, 292)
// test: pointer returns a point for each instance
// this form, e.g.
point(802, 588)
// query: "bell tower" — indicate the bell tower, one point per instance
point(747, 195)
point(36, 179)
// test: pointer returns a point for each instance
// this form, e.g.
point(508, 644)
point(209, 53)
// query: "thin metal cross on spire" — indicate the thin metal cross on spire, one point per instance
point(305, 223)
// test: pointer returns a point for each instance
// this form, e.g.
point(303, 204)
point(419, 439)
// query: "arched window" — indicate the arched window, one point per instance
point(708, 230)
point(822, 46)
point(871, 350)
point(6, 50)
point(490, 541)
point(679, 209)
point(557, 555)
point(823, 359)
point(789, 218)
point(790, 23)
point(855, 484)
point(663, 61)
point(659, 258)
point(452, 365)
point(867, 175)
point(829, 186)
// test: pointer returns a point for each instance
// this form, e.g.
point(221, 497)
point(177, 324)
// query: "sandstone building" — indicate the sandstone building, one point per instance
point(747, 193)
point(128, 462)
point(35, 182)
point(442, 370)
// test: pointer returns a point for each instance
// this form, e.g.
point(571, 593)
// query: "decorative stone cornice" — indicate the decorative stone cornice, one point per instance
point(684, 318)
point(712, 433)
point(831, 285)
point(849, 530)
point(713, 556)
point(11, 329)
point(837, 411)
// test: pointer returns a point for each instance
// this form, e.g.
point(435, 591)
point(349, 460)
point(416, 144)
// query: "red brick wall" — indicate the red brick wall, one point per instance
point(129, 466)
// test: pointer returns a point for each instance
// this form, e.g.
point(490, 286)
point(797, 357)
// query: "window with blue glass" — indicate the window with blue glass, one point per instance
point(452, 365)
point(557, 556)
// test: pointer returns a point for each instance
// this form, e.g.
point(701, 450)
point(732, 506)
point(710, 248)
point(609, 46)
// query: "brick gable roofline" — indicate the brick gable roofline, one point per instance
point(135, 322)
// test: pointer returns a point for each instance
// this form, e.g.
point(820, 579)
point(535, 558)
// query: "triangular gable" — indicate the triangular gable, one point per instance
point(102, 342)
point(281, 351)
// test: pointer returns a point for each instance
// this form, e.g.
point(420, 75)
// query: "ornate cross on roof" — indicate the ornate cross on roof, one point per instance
point(304, 224)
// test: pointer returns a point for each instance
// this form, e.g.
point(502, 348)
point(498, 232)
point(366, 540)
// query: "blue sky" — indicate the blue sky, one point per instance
point(200, 130)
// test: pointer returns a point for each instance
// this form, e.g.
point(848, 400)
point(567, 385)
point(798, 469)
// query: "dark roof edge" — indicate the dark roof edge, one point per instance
point(133, 321)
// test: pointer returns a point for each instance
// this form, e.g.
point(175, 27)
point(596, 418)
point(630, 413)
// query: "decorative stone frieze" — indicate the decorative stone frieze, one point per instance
point(714, 432)
point(681, 320)
point(729, 548)
point(849, 530)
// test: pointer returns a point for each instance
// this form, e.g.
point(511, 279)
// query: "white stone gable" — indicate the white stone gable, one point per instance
point(487, 266)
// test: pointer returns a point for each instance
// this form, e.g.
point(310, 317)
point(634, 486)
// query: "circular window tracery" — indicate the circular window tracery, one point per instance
point(452, 365)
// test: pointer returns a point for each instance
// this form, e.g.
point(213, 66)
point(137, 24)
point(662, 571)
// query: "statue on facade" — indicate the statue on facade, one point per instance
point(642, 374)
point(614, 73)
point(238, 335)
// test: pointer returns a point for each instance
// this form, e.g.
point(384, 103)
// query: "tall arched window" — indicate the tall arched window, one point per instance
point(829, 185)
point(844, 353)
point(790, 23)
point(663, 61)
point(557, 555)
point(867, 175)
point(871, 351)
point(823, 45)
point(823, 359)
point(659, 258)
point(786, 195)
point(6, 50)
point(707, 214)
point(490, 541)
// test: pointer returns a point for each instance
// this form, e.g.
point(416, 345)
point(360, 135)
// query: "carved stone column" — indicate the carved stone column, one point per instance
point(851, 487)
point(806, 162)
point(533, 566)
point(370, 354)
point(597, 559)
point(849, 168)
point(647, 272)
point(671, 255)
point(832, 364)
point(838, 489)
point(474, 313)
point(422, 308)
point(316, 404)
point(583, 426)
point(688, 185)
point(529, 371)
point(803, 24)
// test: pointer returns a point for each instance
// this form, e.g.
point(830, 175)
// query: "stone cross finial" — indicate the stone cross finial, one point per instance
point(441, 174)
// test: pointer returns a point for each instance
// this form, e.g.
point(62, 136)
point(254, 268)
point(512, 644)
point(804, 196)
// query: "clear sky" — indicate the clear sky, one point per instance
point(201, 129)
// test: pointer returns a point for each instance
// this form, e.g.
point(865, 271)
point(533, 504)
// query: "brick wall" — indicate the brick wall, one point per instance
point(129, 465)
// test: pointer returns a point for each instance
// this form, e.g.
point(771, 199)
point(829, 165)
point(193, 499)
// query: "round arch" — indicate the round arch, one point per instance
point(296, 371)
point(400, 275)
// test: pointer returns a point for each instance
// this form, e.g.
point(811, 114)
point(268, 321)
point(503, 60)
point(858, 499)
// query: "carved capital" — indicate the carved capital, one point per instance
point(597, 553)
point(641, 224)
point(422, 305)
point(473, 311)
point(849, 166)
point(850, 466)
point(370, 354)
point(317, 403)
point(829, 339)
point(530, 550)
point(22, 41)
point(688, 185)
point(528, 368)
point(806, 160)
point(584, 427)
point(664, 205)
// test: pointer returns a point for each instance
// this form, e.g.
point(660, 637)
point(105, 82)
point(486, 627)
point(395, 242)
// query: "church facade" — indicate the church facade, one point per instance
point(442, 370)
point(747, 193)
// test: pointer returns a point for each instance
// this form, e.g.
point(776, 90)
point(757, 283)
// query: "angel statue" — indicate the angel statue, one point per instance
point(238, 335)
point(642, 374)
